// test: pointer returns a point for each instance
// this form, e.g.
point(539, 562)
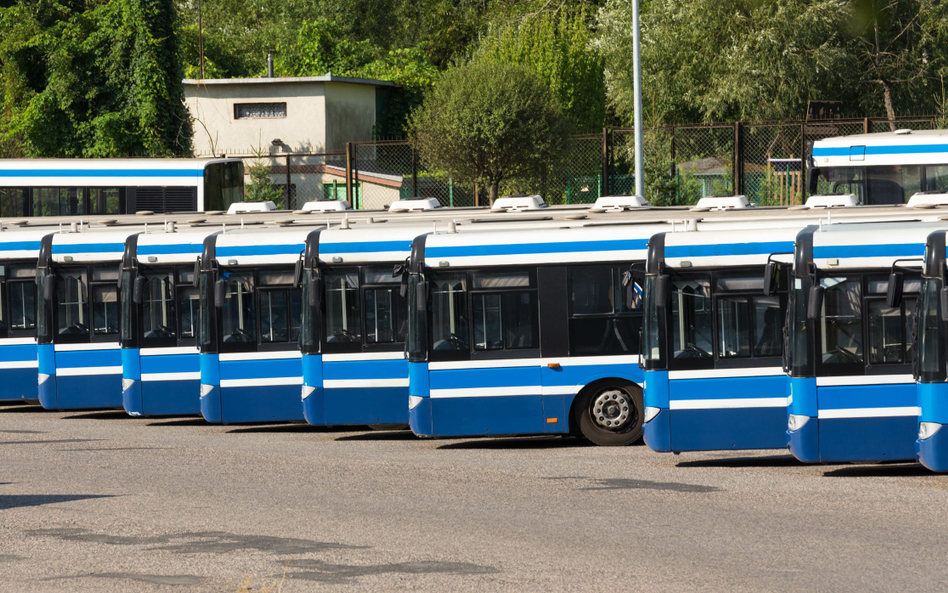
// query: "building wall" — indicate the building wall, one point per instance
point(216, 131)
point(350, 114)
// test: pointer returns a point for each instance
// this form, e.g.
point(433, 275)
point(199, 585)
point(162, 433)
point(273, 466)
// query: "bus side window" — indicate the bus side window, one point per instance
point(385, 307)
point(343, 324)
point(842, 339)
point(71, 312)
point(505, 310)
point(21, 288)
point(604, 315)
point(449, 320)
point(936, 178)
point(238, 318)
point(691, 329)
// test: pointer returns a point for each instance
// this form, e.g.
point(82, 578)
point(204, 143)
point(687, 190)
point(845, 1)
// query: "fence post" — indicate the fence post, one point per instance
point(738, 158)
point(349, 174)
point(286, 204)
point(356, 193)
point(414, 172)
point(604, 184)
point(803, 164)
point(674, 165)
point(866, 126)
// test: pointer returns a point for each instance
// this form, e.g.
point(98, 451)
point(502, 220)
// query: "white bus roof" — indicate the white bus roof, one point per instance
point(103, 172)
point(727, 248)
point(902, 147)
point(876, 245)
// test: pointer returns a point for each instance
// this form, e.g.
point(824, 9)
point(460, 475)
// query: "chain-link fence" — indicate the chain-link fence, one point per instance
point(767, 162)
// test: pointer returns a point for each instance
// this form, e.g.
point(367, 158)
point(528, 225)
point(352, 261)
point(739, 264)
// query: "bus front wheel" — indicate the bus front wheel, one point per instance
point(609, 413)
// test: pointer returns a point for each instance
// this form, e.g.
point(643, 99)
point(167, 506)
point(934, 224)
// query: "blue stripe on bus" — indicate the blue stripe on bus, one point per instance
point(20, 246)
point(170, 249)
point(843, 251)
point(881, 150)
point(486, 378)
point(101, 172)
point(846, 397)
point(729, 249)
point(537, 248)
point(235, 250)
point(365, 247)
point(365, 369)
point(89, 248)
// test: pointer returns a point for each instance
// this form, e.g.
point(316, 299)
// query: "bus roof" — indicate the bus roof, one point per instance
point(903, 147)
point(91, 245)
point(727, 248)
point(877, 245)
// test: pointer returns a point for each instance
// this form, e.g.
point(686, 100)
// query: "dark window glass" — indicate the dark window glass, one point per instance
point(105, 309)
point(842, 180)
point(13, 202)
point(842, 321)
point(380, 315)
point(504, 320)
point(223, 185)
point(237, 314)
point(936, 178)
point(280, 315)
point(592, 290)
point(309, 316)
point(22, 305)
point(691, 329)
point(931, 332)
point(910, 310)
point(126, 297)
point(104, 200)
point(343, 312)
point(206, 301)
point(189, 312)
point(768, 326)
point(158, 313)
point(449, 319)
point(72, 297)
point(734, 339)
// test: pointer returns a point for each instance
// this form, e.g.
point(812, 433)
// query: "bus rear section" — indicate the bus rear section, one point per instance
point(161, 312)
point(19, 250)
point(852, 393)
point(713, 344)
point(527, 332)
point(80, 363)
point(250, 324)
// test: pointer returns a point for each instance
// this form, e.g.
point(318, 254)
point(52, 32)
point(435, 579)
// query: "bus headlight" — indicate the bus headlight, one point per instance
point(128, 384)
point(413, 401)
point(308, 391)
point(42, 378)
point(206, 389)
point(797, 421)
point(927, 429)
point(651, 413)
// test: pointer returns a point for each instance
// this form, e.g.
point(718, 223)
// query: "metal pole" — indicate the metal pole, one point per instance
point(286, 204)
point(414, 172)
point(637, 91)
point(349, 174)
point(201, 39)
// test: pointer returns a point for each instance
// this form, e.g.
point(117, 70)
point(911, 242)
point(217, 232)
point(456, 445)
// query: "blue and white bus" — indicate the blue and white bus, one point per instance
point(712, 341)
point(883, 168)
point(533, 331)
point(932, 356)
point(160, 318)
point(78, 309)
point(19, 250)
point(852, 395)
point(83, 187)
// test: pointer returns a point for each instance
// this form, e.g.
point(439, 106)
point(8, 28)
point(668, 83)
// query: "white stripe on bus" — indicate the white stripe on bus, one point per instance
point(841, 413)
point(265, 382)
point(729, 403)
point(194, 376)
point(86, 371)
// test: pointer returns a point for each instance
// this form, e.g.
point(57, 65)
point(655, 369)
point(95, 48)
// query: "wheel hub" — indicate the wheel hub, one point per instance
point(612, 409)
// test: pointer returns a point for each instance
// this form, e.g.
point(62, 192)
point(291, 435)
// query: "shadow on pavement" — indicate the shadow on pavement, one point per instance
point(181, 422)
point(22, 409)
point(882, 470)
point(768, 461)
point(12, 501)
point(515, 443)
point(104, 415)
point(393, 435)
point(289, 428)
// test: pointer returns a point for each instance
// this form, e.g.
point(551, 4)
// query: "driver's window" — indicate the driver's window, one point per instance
point(238, 320)
point(105, 310)
point(158, 314)
point(343, 309)
point(449, 320)
point(841, 335)
point(71, 312)
point(691, 319)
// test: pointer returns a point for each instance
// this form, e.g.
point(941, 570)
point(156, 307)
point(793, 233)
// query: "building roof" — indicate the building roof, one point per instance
point(329, 77)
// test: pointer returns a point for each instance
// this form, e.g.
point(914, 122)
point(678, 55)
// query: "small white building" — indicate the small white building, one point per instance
point(279, 116)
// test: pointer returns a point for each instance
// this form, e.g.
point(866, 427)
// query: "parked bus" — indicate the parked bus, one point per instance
point(932, 353)
point(19, 250)
point(852, 396)
point(883, 168)
point(713, 342)
point(84, 187)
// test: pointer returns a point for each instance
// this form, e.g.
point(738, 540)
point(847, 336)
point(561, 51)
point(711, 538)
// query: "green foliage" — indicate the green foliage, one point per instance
point(94, 79)
point(261, 188)
point(487, 122)
point(557, 47)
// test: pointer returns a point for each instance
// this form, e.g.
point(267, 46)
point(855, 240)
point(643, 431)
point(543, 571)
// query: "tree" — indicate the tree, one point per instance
point(94, 79)
point(261, 188)
point(557, 47)
point(488, 121)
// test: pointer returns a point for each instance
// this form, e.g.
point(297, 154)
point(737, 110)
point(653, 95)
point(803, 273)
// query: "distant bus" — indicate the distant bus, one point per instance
point(82, 187)
point(886, 168)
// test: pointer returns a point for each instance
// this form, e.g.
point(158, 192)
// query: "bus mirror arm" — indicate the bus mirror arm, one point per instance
point(814, 303)
point(772, 274)
point(220, 293)
point(138, 290)
point(298, 272)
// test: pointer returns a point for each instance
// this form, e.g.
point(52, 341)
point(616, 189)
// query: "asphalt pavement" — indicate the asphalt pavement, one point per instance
point(98, 501)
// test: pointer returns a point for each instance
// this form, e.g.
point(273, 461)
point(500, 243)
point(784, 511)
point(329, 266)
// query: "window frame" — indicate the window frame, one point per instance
point(7, 285)
point(257, 345)
point(636, 315)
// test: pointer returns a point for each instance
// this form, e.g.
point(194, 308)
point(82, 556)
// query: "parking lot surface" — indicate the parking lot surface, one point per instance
point(99, 501)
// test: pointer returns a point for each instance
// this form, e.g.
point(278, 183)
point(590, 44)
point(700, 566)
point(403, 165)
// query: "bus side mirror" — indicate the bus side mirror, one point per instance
point(421, 296)
point(50, 289)
point(398, 271)
point(770, 278)
point(944, 304)
point(814, 304)
point(196, 280)
point(220, 293)
point(138, 290)
point(315, 291)
point(662, 286)
point(893, 295)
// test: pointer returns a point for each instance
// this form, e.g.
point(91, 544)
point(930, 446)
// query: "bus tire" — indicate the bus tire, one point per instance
point(609, 412)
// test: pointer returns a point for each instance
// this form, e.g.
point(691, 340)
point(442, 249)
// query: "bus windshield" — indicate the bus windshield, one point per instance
point(885, 184)
point(223, 185)
point(931, 333)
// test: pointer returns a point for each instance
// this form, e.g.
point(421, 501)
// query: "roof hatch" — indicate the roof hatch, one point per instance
point(518, 204)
